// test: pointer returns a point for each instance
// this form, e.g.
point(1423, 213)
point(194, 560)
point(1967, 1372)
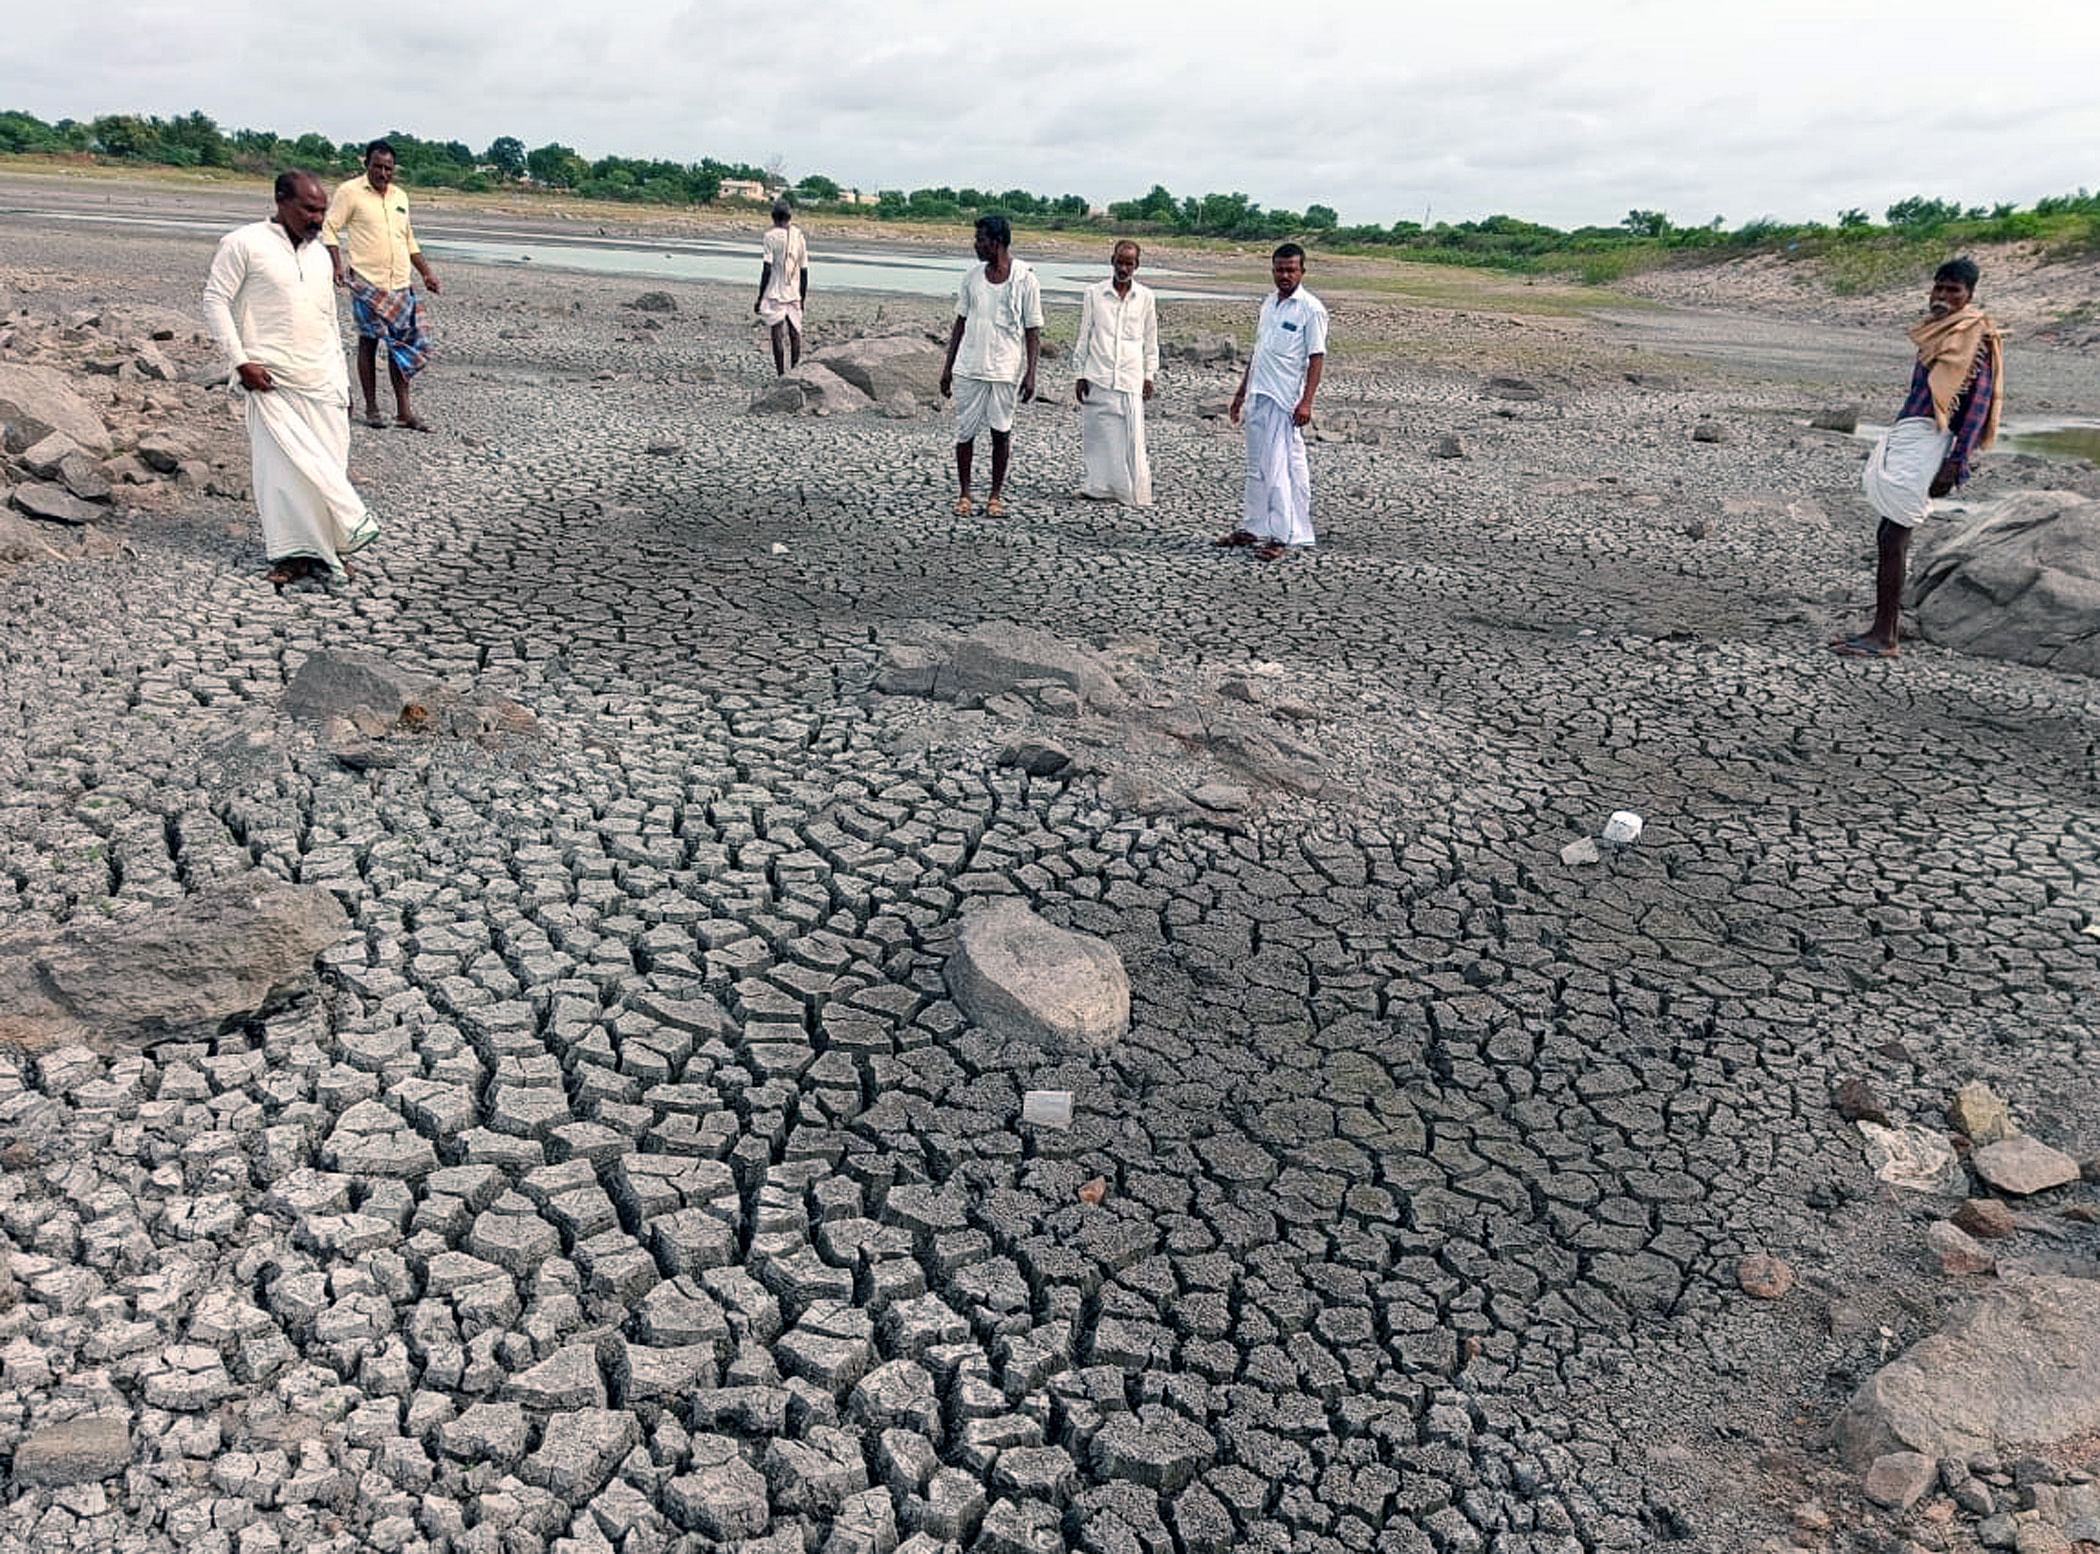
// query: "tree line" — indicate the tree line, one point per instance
point(1506, 242)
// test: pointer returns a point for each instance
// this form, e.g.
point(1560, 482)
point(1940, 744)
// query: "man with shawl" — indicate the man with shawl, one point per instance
point(369, 217)
point(1957, 390)
point(1115, 360)
point(271, 308)
point(783, 287)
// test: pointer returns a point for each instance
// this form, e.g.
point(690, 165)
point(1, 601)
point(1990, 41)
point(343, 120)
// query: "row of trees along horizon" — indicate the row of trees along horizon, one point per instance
point(1855, 246)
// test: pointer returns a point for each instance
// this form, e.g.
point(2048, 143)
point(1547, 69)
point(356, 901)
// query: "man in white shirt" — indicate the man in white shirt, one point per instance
point(991, 356)
point(1283, 374)
point(783, 287)
point(270, 302)
point(1115, 359)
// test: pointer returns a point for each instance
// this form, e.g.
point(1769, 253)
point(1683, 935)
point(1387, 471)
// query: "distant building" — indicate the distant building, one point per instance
point(858, 197)
point(743, 189)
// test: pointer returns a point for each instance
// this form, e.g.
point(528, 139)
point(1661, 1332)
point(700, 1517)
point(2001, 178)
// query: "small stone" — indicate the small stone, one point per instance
point(1900, 1479)
point(2021, 1165)
point(1710, 431)
point(1094, 1192)
point(1453, 447)
point(1581, 851)
point(1036, 757)
point(1978, 1111)
point(1957, 1251)
point(1985, 1218)
point(1855, 1101)
point(79, 1451)
point(1836, 418)
point(1763, 1276)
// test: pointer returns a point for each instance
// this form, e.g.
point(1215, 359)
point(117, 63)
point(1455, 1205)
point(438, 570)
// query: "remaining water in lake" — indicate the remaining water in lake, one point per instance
point(2049, 439)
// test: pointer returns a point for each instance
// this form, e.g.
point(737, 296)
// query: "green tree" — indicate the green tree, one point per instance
point(1322, 218)
point(556, 166)
point(506, 154)
point(1646, 223)
point(817, 187)
point(1922, 214)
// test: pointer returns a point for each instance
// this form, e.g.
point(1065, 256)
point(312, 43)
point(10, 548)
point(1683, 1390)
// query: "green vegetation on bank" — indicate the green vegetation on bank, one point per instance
point(1857, 253)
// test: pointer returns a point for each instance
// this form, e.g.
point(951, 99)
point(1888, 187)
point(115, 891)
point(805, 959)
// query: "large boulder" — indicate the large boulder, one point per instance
point(2019, 1367)
point(2020, 580)
point(343, 685)
point(37, 401)
point(997, 655)
point(1018, 976)
point(826, 391)
point(882, 367)
point(226, 953)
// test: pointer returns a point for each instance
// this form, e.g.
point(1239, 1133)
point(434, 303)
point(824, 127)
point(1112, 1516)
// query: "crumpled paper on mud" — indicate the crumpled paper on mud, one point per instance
point(1914, 1157)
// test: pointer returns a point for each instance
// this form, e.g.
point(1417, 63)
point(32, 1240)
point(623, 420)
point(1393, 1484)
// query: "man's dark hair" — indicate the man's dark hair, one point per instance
point(998, 229)
point(782, 208)
point(1288, 251)
point(1963, 271)
point(1130, 243)
point(288, 181)
point(378, 146)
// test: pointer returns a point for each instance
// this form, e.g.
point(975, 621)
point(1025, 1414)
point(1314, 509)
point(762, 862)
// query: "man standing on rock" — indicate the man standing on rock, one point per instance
point(991, 356)
point(1957, 390)
point(783, 287)
point(1282, 376)
point(270, 307)
point(1115, 359)
point(369, 216)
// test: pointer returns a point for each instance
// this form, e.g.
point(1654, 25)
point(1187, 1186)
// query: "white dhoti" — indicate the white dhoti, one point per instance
point(1112, 441)
point(981, 404)
point(300, 446)
point(781, 310)
point(1899, 473)
point(1279, 482)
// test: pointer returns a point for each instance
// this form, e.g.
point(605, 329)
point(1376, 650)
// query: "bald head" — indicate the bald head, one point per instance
point(302, 204)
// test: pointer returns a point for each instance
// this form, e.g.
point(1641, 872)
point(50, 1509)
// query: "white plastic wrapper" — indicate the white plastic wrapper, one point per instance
point(1047, 1108)
point(1624, 826)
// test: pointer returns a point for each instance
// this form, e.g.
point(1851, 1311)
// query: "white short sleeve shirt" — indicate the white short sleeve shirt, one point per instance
point(996, 320)
point(1292, 332)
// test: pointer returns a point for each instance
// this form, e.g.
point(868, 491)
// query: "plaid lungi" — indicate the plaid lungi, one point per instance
point(395, 317)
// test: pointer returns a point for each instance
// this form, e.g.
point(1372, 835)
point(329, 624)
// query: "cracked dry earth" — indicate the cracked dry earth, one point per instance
point(628, 1180)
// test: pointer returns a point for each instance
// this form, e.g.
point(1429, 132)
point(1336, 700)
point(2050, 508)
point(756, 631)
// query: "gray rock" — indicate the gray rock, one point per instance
point(567, 1379)
point(79, 1451)
point(2021, 581)
point(229, 952)
point(163, 451)
point(886, 366)
point(826, 391)
point(49, 455)
point(2019, 1366)
point(21, 540)
point(783, 396)
point(37, 401)
point(1514, 389)
point(1018, 976)
point(655, 302)
point(1899, 1480)
point(723, 1498)
point(664, 445)
point(996, 656)
point(1453, 447)
point(1837, 418)
point(2022, 1165)
point(1154, 1447)
point(1206, 350)
point(815, 1475)
point(1710, 431)
point(1036, 757)
point(343, 685)
point(55, 504)
point(1214, 407)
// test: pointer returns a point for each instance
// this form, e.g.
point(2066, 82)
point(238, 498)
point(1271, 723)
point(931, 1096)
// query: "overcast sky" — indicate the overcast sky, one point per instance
point(1557, 112)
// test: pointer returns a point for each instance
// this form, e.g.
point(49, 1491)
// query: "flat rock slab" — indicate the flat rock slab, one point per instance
point(37, 401)
point(2021, 582)
point(998, 655)
point(887, 365)
point(2022, 1165)
point(55, 504)
point(2020, 1366)
point(80, 1451)
point(340, 685)
point(228, 952)
point(1016, 975)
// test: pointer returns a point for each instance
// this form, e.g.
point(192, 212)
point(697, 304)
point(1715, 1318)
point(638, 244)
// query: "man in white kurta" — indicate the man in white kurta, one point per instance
point(270, 302)
point(1115, 359)
point(783, 287)
point(1276, 394)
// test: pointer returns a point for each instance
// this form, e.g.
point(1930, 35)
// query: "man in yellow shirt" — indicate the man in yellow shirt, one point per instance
point(368, 216)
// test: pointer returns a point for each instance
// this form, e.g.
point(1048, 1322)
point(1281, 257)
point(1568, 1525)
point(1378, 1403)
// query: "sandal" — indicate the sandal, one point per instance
point(375, 420)
point(1861, 647)
point(964, 506)
point(1236, 537)
point(994, 508)
point(1269, 552)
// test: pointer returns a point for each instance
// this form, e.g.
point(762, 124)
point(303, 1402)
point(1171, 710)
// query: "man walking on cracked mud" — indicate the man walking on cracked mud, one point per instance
point(1957, 389)
point(369, 217)
point(783, 287)
point(1276, 393)
point(270, 306)
point(991, 357)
